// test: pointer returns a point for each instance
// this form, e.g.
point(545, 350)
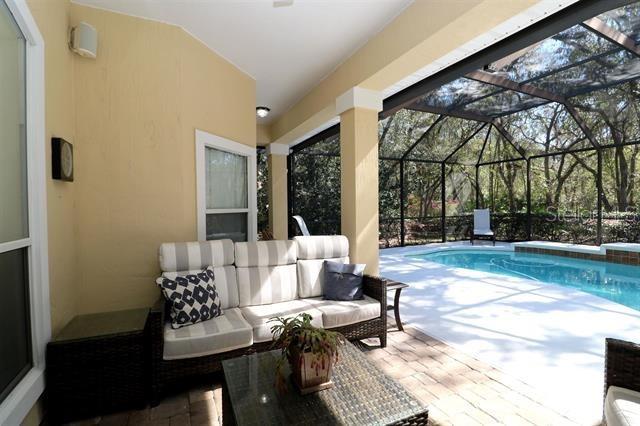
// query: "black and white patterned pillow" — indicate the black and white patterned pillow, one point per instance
point(193, 297)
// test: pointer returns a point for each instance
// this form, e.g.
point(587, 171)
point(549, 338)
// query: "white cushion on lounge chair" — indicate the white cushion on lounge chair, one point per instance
point(482, 232)
point(227, 332)
point(258, 316)
point(622, 407)
point(340, 313)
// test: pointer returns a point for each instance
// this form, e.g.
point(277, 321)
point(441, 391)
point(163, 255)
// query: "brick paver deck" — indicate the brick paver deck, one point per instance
point(459, 390)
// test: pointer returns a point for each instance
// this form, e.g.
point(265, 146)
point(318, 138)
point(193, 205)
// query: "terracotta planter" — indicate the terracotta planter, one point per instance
point(309, 373)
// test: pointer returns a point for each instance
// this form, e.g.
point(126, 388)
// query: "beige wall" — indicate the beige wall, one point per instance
point(263, 134)
point(131, 115)
point(137, 107)
point(277, 190)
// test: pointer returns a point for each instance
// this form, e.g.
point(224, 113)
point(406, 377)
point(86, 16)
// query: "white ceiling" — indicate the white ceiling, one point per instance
point(287, 46)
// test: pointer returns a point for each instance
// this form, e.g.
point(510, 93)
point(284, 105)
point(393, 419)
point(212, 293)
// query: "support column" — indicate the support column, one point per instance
point(277, 190)
point(358, 109)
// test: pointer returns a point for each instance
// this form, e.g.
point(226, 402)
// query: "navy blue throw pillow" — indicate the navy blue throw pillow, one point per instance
point(193, 296)
point(343, 281)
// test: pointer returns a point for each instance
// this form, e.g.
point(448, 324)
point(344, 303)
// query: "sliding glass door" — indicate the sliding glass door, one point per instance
point(15, 331)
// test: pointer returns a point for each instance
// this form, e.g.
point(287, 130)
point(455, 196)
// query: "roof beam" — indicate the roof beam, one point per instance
point(466, 115)
point(484, 145)
point(583, 126)
point(545, 28)
point(478, 130)
point(421, 138)
point(505, 134)
point(505, 83)
point(600, 28)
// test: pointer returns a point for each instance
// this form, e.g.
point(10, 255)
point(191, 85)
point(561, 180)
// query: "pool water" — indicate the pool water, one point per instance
point(616, 282)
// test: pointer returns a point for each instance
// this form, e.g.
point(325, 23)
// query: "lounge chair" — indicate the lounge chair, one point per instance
point(302, 225)
point(482, 226)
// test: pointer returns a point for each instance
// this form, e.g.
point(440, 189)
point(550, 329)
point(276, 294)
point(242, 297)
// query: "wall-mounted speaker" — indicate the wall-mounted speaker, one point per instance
point(84, 40)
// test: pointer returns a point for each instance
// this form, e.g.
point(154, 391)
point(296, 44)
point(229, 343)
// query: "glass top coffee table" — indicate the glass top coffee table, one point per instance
point(361, 395)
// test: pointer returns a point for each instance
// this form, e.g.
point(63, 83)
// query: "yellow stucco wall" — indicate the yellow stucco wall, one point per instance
point(137, 107)
point(131, 115)
point(277, 189)
point(263, 134)
point(359, 185)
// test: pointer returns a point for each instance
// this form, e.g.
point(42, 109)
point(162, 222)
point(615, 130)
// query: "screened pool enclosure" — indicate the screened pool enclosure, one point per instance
point(544, 130)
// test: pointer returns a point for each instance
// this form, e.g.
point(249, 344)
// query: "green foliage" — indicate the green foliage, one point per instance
point(262, 193)
point(298, 333)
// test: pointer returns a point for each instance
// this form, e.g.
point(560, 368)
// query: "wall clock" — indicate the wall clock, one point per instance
point(62, 159)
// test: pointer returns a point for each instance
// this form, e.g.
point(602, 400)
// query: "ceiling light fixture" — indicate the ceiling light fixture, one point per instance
point(262, 111)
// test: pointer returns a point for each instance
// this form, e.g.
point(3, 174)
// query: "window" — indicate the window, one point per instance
point(15, 351)
point(24, 306)
point(226, 173)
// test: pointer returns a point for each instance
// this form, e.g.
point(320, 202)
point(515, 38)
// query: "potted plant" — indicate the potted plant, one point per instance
point(310, 351)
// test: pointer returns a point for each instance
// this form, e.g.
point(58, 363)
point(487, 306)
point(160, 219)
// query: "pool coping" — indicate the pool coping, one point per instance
point(623, 253)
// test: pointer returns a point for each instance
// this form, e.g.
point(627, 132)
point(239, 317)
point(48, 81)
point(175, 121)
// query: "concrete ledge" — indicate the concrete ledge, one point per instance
point(622, 247)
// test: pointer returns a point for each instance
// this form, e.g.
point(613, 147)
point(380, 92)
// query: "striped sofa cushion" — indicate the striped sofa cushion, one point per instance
point(263, 285)
point(322, 246)
point(311, 276)
point(265, 253)
point(195, 255)
point(225, 282)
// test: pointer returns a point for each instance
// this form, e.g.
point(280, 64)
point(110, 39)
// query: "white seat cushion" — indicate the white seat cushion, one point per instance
point(221, 334)
point(259, 316)
point(622, 407)
point(340, 313)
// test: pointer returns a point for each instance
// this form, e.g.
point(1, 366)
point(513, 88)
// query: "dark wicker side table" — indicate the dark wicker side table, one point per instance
point(397, 287)
point(98, 365)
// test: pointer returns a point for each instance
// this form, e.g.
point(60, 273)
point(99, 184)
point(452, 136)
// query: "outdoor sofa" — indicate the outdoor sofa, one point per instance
point(621, 383)
point(256, 281)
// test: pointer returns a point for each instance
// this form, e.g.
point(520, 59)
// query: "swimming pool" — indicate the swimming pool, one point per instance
point(616, 282)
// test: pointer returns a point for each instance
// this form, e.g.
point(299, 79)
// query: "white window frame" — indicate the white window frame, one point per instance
point(207, 140)
point(22, 398)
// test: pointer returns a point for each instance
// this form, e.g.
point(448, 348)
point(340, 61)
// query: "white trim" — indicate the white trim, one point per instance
point(203, 140)
point(277, 149)
point(358, 97)
point(15, 245)
point(18, 403)
point(218, 211)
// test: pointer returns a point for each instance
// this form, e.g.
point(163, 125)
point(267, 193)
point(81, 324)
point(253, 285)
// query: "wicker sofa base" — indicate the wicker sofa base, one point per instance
point(180, 373)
